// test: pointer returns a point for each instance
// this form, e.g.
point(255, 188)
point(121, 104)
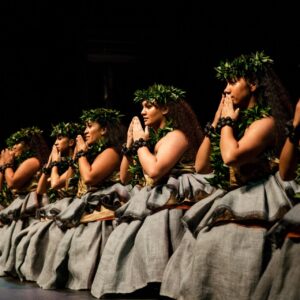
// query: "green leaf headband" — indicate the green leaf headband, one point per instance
point(161, 94)
point(103, 116)
point(23, 134)
point(70, 129)
point(243, 66)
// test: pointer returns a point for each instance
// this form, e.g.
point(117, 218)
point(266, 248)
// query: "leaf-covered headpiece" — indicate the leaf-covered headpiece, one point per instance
point(70, 129)
point(160, 94)
point(103, 116)
point(243, 66)
point(24, 134)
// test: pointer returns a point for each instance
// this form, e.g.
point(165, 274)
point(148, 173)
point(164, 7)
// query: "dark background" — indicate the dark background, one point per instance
point(58, 58)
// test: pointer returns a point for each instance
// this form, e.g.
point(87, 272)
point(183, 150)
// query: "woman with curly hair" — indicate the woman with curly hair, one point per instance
point(224, 250)
point(20, 167)
point(89, 219)
point(34, 243)
point(154, 162)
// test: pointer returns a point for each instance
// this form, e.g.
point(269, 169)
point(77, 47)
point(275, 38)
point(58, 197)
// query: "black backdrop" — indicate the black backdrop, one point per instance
point(60, 58)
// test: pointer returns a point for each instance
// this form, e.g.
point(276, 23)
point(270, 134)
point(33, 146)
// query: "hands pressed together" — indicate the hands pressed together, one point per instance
point(225, 109)
point(136, 131)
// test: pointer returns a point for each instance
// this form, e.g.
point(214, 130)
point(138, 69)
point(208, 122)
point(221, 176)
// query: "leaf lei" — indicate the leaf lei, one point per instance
point(135, 168)
point(297, 179)
point(62, 166)
point(243, 66)
point(69, 129)
point(159, 93)
point(23, 134)
point(102, 116)
point(95, 149)
point(221, 171)
point(6, 195)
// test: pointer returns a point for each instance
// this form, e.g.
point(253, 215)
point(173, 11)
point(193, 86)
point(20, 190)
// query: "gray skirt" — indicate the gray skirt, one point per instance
point(281, 278)
point(149, 231)
point(224, 249)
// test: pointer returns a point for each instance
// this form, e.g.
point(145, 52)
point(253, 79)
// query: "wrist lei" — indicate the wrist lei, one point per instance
point(5, 166)
point(46, 170)
point(293, 133)
point(80, 153)
point(209, 130)
point(54, 163)
point(126, 150)
point(137, 144)
point(227, 121)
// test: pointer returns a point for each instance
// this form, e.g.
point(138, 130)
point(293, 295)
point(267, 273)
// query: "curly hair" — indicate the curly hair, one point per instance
point(116, 135)
point(184, 119)
point(111, 120)
point(271, 91)
point(38, 145)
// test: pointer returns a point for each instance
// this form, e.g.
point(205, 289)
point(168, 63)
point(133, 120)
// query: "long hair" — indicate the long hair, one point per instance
point(39, 146)
point(116, 135)
point(184, 119)
point(271, 92)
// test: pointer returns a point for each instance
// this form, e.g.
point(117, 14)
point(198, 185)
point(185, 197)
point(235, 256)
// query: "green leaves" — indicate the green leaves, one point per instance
point(160, 94)
point(297, 179)
point(243, 66)
point(101, 115)
point(22, 135)
point(70, 129)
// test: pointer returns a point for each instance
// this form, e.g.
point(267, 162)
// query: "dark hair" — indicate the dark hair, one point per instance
point(270, 91)
point(40, 148)
point(116, 135)
point(184, 119)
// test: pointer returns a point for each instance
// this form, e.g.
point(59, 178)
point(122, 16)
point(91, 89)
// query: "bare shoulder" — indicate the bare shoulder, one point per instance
point(176, 134)
point(266, 124)
point(31, 161)
point(108, 153)
point(173, 139)
point(261, 130)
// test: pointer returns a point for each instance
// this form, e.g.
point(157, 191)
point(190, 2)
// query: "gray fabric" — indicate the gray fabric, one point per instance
point(293, 216)
point(11, 233)
point(263, 288)
point(137, 253)
point(7, 232)
point(226, 259)
point(53, 273)
point(40, 244)
point(22, 237)
point(139, 248)
point(176, 268)
point(85, 250)
point(71, 216)
point(30, 246)
point(109, 197)
point(226, 263)
point(265, 200)
point(12, 211)
point(72, 260)
point(53, 209)
point(284, 272)
point(73, 257)
point(281, 278)
point(193, 185)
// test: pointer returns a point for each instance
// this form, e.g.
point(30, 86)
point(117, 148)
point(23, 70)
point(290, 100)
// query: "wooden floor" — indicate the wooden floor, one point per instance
point(11, 288)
